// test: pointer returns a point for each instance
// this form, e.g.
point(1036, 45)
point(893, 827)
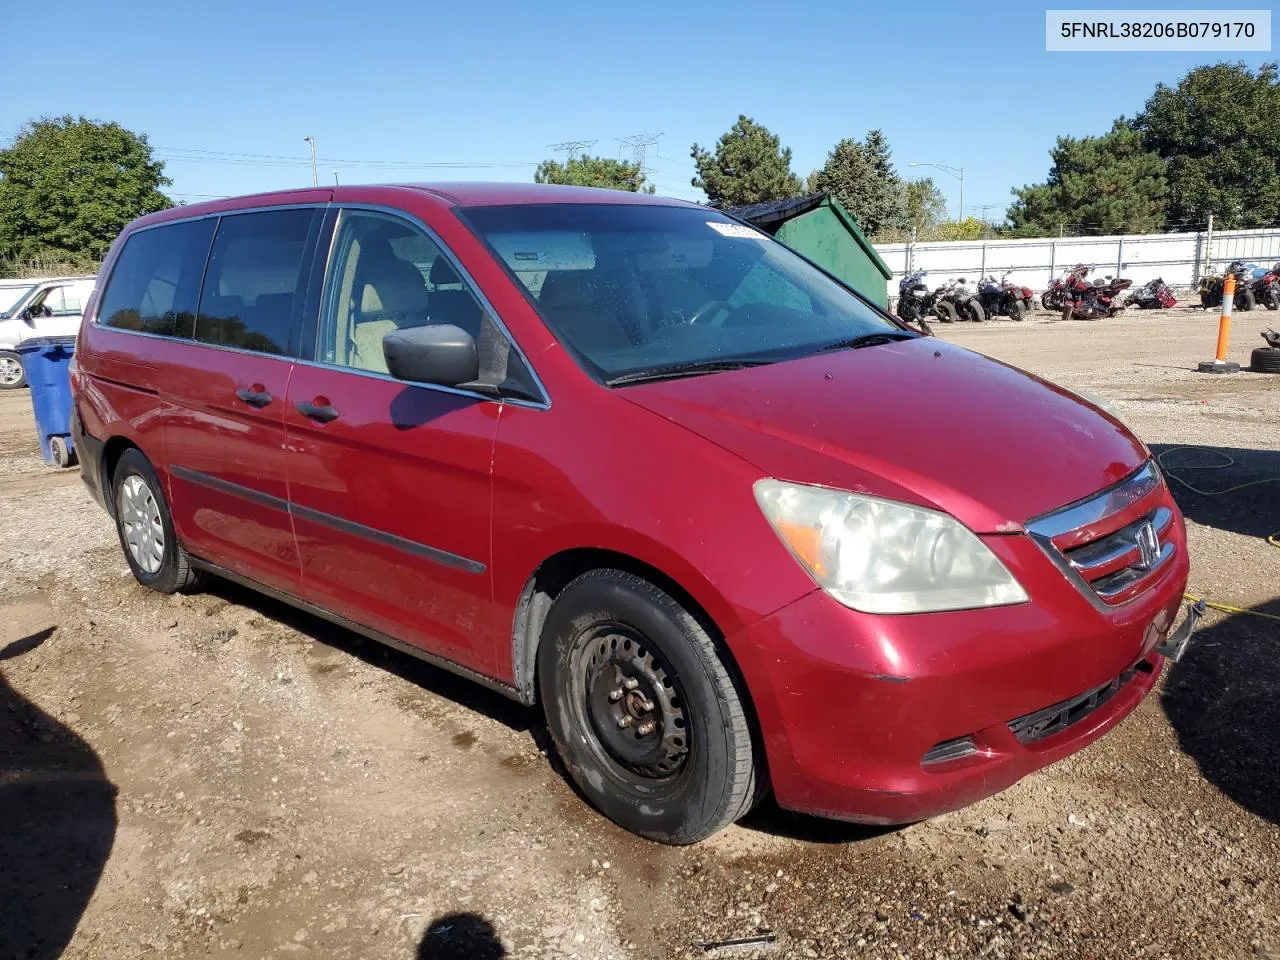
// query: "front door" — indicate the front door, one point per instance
point(389, 481)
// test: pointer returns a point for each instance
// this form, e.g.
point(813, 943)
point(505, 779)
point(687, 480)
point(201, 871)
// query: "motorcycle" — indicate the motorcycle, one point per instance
point(1211, 287)
point(1001, 298)
point(1266, 288)
point(1094, 301)
point(915, 300)
point(1154, 295)
point(1055, 297)
point(961, 302)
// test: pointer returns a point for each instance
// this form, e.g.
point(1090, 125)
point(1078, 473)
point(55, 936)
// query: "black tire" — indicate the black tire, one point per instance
point(1271, 299)
point(971, 310)
point(1265, 360)
point(908, 310)
point(1049, 303)
point(8, 372)
point(1017, 311)
point(174, 571)
point(1245, 300)
point(696, 774)
point(946, 311)
point(1206, 300)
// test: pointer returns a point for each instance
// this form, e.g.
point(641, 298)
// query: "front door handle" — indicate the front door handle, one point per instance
point(321, 412)
point(255, 396)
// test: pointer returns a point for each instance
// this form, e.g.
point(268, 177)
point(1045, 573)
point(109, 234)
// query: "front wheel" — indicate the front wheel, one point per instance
point(972, 311)
point(643, 711)
point(1272, 298)
point(12, 375)
point(1245, 300)
point(145, 526)
point(1017, 311)
point(946, 311)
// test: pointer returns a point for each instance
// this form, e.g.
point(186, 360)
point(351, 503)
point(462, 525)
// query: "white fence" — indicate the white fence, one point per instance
point(1179, 258)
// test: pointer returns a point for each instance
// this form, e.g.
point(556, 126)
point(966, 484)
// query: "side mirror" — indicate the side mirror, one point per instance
point(440, 354)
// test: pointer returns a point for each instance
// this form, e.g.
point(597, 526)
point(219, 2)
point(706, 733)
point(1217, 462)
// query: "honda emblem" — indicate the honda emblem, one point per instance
point(1148, 546)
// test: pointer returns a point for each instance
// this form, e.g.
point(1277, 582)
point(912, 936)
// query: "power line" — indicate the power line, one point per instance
point(571, 148)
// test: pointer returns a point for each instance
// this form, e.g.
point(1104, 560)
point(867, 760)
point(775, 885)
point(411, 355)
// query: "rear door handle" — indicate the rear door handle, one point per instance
point(320, 412)
point(255, 396)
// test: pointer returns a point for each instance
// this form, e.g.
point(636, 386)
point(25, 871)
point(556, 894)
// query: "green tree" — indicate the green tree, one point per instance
point(861, 177)
point(926, 205)
point(585, 171)
point(1218, 131)
point(1106, 184)
point(970, 228)
point(749, 165)
point(68, 185)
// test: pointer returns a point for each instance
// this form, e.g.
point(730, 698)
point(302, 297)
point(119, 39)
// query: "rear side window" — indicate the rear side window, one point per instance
point(255, 282)
point(156, 280)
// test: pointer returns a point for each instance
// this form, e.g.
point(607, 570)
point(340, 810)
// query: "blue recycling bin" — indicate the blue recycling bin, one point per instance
point(46, 360)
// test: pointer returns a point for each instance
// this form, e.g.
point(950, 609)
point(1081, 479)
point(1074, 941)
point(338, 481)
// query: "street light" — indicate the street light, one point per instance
point(957, 172)
point(310, 141)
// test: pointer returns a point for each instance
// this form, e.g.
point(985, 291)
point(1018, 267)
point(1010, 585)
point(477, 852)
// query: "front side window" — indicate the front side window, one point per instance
point(386, 274)
point(156, 280)
point(635, 288)
point(253, 288)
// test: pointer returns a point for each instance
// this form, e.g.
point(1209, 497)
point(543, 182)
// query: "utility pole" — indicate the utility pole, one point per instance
point(638, 144)
point(571, 148)
point(335, 178)
point(311, 142)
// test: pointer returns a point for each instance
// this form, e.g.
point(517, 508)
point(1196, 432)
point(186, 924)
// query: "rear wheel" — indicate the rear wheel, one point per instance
point(643, 711)
point(12, 375)
point(145, 527)
point(971, 310)
point(946, 311)
point(1272, 297)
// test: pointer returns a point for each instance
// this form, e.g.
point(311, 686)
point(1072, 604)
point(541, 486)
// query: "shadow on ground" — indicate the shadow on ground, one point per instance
point(1203, 479)
point(57, 823)
point(437, 680)
point(1223, 700)
point(461, 936)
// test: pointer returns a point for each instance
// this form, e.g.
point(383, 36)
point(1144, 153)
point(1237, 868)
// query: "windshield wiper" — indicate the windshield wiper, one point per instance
point(693, 369)
point(869, 340)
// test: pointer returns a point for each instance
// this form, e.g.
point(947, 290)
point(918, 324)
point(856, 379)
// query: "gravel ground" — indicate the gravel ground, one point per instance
point(216, 774)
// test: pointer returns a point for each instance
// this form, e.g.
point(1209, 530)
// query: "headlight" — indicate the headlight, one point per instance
point(880, 556)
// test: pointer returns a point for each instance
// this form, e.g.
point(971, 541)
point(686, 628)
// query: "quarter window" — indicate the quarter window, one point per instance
point(253, 288)
point(156, 279)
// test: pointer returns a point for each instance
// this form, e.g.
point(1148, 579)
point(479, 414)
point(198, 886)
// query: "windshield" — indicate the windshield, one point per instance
point(11, 300)
point(632, 288)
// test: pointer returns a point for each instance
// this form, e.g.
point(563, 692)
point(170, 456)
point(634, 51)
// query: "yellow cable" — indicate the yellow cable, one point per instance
point(1227, 608)
point(1274, 539)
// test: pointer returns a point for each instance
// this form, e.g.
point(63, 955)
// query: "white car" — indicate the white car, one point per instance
point(50, 308)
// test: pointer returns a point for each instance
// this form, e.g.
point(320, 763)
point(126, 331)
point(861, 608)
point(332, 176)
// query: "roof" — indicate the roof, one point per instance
point(772, 214)
point(478, 193)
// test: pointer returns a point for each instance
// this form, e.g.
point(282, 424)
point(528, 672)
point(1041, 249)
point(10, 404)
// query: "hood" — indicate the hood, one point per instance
point(921, 421)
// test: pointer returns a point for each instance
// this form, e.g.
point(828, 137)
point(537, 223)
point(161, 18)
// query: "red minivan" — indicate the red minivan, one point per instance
point(732, 526)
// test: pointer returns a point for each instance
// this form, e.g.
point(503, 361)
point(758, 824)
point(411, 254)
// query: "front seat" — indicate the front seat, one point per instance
point(576, 311)
point(391, 295)
point(454, 306)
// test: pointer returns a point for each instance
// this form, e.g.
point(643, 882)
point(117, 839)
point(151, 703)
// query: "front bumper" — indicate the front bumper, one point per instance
point(850, 704)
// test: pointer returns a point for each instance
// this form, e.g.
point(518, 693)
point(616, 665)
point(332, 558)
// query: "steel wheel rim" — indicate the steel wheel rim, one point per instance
point(633, 704)
point(10, 371)
point(140, 522)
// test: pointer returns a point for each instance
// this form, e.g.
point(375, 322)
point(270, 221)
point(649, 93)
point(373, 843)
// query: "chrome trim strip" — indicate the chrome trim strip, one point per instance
point(1098, 506)
point(1046, 527)
point(442, 557)
point(1116, 545)
point(1121, 580)
point(307, 607)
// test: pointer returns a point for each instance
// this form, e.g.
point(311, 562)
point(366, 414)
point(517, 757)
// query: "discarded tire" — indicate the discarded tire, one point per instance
point(1266, 360)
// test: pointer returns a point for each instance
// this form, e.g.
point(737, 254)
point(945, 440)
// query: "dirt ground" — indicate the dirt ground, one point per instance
point(216, 774)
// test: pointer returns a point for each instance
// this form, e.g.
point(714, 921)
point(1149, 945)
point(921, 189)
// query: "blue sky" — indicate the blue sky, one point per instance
point(399, 85)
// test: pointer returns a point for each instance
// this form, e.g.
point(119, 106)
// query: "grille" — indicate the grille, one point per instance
point(1113, 543)
point(1045, 723)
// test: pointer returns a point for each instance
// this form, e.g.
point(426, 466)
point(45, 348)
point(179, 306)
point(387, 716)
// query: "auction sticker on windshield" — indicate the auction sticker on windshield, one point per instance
point(735, 230)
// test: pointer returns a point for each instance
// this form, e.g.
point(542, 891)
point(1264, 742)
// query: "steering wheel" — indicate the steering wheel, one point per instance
point(710, 309)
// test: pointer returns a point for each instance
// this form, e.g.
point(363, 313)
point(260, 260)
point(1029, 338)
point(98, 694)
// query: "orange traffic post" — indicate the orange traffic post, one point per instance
point(1220, 363)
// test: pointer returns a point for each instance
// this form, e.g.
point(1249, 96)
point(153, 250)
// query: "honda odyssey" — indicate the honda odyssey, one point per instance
point(733, 528)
